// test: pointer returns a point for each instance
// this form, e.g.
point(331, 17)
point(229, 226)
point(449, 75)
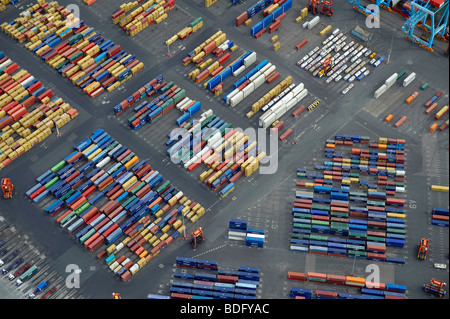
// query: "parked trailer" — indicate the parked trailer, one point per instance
point(27, 275)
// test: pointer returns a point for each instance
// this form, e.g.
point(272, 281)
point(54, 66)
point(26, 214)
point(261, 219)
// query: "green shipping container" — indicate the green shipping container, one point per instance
point(318, 237)
point(401, 74)
point(87, 235)
point(165, 185)
point(299, 236)
point(424, 86)
point(50, 183)
point(80, 210)
point(66, 219)
point(138, 188)
point(58, 166)
point(67, 195)
point(128, 158)
point(195, 22)
point(76, 56)
point(128, 201)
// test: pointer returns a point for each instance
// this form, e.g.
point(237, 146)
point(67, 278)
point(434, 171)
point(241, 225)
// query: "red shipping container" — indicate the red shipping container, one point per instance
point(96, 243)
point(274, 26)
point(273, 77)
point(301, 44)
point(11, 68)
point(328, 294)
point(285, 134)
point(260, 33)
point(224, 58)
point(48, 93)
point(210, 47)
point(17, 115)
point(241, 18)
point(296, 276)
point(281, 16)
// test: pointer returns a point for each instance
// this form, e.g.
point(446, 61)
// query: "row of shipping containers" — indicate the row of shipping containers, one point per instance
point(214, 283)
point(272, 18)
point(227, 153)
point(238, 230)
point(193, 27)
point(28, 111)
point(367, 289)
point(104, 195)
point(338, 221)
point(133, 17)
point(440, 216)
point(164, 97)
point(283, 97)
point(76, 51)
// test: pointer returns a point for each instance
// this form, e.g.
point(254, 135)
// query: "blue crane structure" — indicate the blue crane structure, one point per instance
point(379, 3)
point(430, 16)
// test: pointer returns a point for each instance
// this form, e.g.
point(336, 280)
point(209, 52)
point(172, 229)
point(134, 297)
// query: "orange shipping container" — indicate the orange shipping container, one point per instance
point(433, 128)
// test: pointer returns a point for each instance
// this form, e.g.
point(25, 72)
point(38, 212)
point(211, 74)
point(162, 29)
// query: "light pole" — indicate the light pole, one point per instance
point(168, 45)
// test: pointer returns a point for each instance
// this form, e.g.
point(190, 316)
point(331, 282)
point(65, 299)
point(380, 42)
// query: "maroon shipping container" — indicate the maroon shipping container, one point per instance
point(260, 33)
point(297, 276)
point(241, 18)
point(210, 47)
point(273, 77)
point(274, 26)
point(325, 293)
point(400, 122)
point(11, 68)
point(277, 127)
point(285, 134)
point(17, 115)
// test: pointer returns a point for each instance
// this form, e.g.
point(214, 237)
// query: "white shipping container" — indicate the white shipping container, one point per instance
point(265, 68)
point(236, 99)
point(313, 22)
point(250, 59)
point(103, 162)
point(259, 81)
point(239, 71)
point(301, 95)
point(28, 80)
point(380, 91)
point(305, 25)
point(297, 89)
point(114, 265)
point(269, 71)
point(255, 76)
point(248, 89)
point(276, 106)
point(409, 79)
point(134, 269)
point(6, 63)
point(391, 80)
point(269, 120)
point(216, 137)
point(183, 103)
